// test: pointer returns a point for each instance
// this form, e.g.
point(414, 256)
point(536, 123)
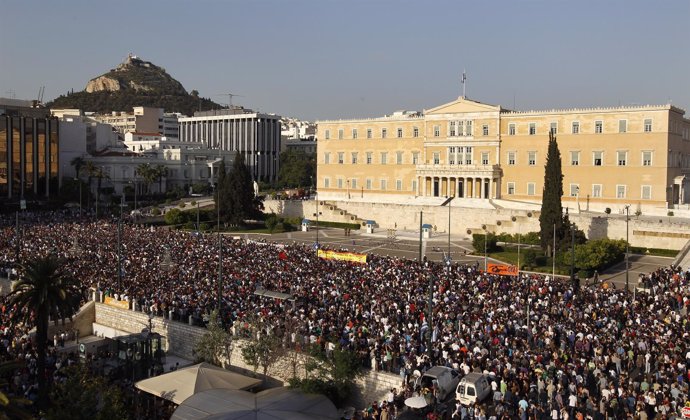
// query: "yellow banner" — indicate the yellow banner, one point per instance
point(122, 304)
point(503, 270)
point(342, 256)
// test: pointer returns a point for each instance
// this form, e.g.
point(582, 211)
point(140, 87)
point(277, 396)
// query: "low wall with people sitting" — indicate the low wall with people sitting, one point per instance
point(180, 338)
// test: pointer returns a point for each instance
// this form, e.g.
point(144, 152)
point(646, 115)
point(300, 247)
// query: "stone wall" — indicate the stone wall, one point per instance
point(644, 231)
point(179, 339)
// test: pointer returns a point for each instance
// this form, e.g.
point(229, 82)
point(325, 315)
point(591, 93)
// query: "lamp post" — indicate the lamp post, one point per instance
point(486, 266)
point(572, 262)
point(316, 195)
point(119, 246)
point(220, 255)
point(627, 247)
point(197, 217)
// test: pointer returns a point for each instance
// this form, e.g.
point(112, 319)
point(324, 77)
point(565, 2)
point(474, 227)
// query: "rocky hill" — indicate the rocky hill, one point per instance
point(134, 82)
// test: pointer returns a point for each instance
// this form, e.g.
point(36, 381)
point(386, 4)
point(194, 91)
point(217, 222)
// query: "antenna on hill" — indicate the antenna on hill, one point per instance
point(230, 96)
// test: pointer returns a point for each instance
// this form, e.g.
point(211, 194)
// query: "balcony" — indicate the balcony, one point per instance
point(480, 171)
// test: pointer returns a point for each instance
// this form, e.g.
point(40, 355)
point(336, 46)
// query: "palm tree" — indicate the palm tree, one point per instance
point(45, 289)
point(146, 172)
point(12, 406)
point(90, 168)
point(160, 172)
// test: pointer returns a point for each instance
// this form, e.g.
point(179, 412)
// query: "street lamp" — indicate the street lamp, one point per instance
point(316, 196)
point(627, 247)
point(486, 266)
point(119, 246)
point(572, 262)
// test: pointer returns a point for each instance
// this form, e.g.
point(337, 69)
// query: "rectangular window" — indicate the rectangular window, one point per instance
point(415, 158)
point(437, 158)
point(597, 158)
point(532, 129)
point(461, 127)
point(369, 133)
point(398, 158)
point(646, 158)
point(511, 129)
point(451, 129)
point(511, 188)
point(468, 155)
point(340, 183)
point(354, 133)
point(384, 158)
point(354, 158)
point(576, 127)
point(485, 130)
point(596, 190)
point(574, 158)
point(648, 125)
point(485, 158)
point(620, 191)
point(574, 190)
point(531, 158)
point(341, 158)
point(437, 131)
point(383, 185)
point(622, 126)
point(511, 158)
point(414, 186)
point(598, 127)
point(368, 183)
point(327, 134)
point(326, 158)
point(400, 133)
point(326, 182)
point(353, 183)
point(369, 158)
point(384, 133)
point(646, 192)
point(622, 157)
point(398, 184)
point(468, 125)
point(530, 188)
point(553, 128)
point(415, 132)
point(341, 134)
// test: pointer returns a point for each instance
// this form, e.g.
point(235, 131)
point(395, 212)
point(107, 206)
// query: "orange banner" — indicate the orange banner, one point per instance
point(342, 256)
point(502, 269)
point(122, 304)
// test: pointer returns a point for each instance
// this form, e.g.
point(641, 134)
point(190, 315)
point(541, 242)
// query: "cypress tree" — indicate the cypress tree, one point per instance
point(239, 192)
point(221, 187)
point(551, 207)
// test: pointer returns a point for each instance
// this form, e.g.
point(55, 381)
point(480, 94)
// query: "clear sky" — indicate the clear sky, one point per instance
point(328, 59)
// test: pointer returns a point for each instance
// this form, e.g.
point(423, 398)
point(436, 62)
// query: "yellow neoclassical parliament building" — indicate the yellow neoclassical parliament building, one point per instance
point(637, 155)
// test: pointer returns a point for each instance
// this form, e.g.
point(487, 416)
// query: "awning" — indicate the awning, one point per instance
point(181, 384)
point(272, 294)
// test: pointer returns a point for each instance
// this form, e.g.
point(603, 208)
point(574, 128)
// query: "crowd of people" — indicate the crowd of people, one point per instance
point(551, 352)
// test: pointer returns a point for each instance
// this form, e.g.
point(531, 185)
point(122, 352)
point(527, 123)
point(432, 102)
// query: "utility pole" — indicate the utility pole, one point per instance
point(421, 214)
point(119, 246)
point(317, 223)
point(572, 262)
point(431, 314)
point(627, 248)
point(220, 256)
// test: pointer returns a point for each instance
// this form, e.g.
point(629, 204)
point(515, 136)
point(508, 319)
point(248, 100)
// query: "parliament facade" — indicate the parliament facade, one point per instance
point(611, 157)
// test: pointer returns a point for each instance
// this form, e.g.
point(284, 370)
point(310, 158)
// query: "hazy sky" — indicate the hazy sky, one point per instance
point(324, 59)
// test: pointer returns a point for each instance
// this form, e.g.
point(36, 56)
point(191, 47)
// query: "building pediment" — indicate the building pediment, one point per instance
point(462, 105)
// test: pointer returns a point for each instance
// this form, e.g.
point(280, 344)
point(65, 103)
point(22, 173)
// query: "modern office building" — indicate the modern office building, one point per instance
point(29, 151)
point(611, 157)
point(254, 135)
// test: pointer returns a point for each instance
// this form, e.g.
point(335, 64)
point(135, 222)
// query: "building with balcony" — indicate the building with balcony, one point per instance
point(638, 155)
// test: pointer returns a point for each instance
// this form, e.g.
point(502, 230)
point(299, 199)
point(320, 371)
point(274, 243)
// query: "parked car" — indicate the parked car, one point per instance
point(445, 379)
point(473, 388)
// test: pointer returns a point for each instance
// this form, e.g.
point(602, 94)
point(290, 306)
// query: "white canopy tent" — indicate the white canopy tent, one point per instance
point(271, 404)
point(181, 384)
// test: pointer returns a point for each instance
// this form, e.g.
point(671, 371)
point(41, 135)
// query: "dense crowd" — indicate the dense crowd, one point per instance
point(551, 352)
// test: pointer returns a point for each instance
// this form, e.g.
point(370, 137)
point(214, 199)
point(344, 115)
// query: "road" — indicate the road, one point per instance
point(406, 245)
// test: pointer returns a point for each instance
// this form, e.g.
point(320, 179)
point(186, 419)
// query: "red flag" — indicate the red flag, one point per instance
point(282, 255)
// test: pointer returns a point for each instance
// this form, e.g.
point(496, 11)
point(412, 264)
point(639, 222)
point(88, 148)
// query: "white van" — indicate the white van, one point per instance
point(473, 388)
point(443, 377)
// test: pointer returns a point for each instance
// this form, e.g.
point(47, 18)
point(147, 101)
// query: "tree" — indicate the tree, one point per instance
point(146, 172)
point(78, 162)
point(216, 344)
point(551, 208)
point(262, 348)
point(46, 289)
point(12, 406)
point(296, 169)
point(85, 396)
point(90, 169)
point(332, 375)
point(237, 198)
point(160, 171)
